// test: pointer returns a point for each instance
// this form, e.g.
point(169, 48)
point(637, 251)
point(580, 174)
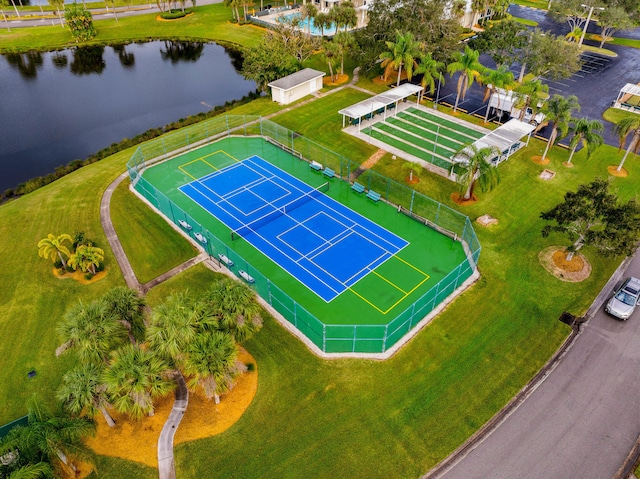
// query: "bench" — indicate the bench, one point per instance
point(357, 187)
point(372, 195)
point(328, 172)
point(225, 259)
point(246, 276)
point(314, 165)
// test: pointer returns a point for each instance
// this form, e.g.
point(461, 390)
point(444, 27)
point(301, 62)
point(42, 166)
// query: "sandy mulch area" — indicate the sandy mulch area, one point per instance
point(538, 160)
point(339, 80)
point(373, 159)
point(138, 440)
point(458, 199)
point(613, 171)
point(553, 259)
point(79, 276)
point(412, 181)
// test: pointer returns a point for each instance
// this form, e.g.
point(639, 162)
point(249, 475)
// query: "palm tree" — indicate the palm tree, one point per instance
point(53, 247)
point(129, 308)
point(626, 126)
point(402, 52)
point(528, 95)
point(414, 169)
point(174, 325)
point(586, 132)
point(430, 69)
point(83, 391)
point(500, 78)
point(212, 364)
point(308, 12)
point(40, 470)
point(91, 330)
point(476, 168)
point(558, 110)
point(344, 41)
point(235, 307)
point(54, 439)
point(87, 258)
point(134, 378)
point(330, 55)
point(470, 69)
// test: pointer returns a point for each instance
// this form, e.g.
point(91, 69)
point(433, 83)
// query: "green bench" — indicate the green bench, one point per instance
point(314, 165)
point(357, 187)
point(328, 172)
point(372, 195)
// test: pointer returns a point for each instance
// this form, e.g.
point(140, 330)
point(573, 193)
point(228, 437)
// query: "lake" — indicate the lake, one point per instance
point(61, 106)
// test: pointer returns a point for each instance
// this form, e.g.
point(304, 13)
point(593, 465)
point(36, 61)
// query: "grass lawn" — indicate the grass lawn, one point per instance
point(339, 418)
point(139, 233)
point(210, 23)
point(321, 122)
point(614, 115)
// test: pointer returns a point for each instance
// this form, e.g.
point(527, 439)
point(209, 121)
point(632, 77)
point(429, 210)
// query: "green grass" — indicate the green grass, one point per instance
point(321, 122)
point(525, 21)
point(152, 246)
point(210, 23)
point(340, 418)
point(114, 468)
point(599, 51)
point(540, 4)
point(614, 115)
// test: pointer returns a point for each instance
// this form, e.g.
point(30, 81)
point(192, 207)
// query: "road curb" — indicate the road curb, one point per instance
point(481, 434)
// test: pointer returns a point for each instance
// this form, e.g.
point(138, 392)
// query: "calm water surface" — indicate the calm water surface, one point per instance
point(60, 106)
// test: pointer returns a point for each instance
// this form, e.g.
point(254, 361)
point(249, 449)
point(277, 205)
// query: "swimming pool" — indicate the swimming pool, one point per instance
point(304, 24)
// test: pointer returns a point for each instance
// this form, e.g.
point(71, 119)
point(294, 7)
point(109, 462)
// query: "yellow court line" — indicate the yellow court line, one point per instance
point(406, 293)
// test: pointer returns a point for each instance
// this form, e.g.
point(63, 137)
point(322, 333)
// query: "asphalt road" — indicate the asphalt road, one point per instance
point(596, 85)
point(582, 421)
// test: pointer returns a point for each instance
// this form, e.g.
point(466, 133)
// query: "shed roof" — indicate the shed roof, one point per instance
point(374, 103)
point(296, 79)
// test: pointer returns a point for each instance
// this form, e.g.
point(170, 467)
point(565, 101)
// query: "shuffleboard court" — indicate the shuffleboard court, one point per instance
point(322, 243)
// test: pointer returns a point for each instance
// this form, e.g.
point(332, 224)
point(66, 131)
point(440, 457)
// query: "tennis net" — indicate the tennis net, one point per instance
point(279, 211)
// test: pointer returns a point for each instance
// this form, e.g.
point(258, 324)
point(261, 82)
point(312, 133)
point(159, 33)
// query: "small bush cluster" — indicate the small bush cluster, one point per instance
point(40, 181)
point(174, 14)
point(80, 22)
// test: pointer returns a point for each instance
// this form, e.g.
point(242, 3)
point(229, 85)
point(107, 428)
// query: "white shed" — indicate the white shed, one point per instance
point(295, 86)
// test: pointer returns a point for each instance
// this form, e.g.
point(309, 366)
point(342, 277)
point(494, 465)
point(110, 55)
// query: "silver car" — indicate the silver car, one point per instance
point(625, 299)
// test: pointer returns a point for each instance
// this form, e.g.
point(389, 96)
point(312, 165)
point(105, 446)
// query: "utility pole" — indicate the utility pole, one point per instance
point(586, 25)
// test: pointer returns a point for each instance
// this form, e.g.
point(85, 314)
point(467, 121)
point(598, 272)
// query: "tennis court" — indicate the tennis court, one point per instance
point(350, 274)
point(320, 242)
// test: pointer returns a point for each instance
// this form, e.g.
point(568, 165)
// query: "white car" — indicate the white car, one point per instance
point(625, 299)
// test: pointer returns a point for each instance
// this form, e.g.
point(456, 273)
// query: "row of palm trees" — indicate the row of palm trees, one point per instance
point(126, 366)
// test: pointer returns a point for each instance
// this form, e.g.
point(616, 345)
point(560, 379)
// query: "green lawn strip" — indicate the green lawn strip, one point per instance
point(614, 115)
point(626, 42)
point(320, 121)
point(525, 21)
point(434, 126)
point(447, 123)
point(421, 148)
point(114, 468)
point(443, 137)
point(539, 4)
point(151, 245)
point(209, 23)
point(33, 300)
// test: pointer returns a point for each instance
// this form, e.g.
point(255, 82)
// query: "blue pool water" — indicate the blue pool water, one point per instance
point(304, 24)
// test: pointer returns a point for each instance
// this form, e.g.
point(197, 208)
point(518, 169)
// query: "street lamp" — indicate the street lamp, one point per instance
point(586, 25)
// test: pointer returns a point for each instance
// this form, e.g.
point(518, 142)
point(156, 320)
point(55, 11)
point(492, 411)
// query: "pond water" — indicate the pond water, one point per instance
point(60, 106)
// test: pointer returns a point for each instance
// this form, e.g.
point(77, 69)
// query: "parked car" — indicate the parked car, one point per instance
point(625, 299)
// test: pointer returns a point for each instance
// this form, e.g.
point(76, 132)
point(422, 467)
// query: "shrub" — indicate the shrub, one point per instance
point(80, 22)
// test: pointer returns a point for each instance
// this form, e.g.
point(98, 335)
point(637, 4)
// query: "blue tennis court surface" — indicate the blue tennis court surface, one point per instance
point(319, 241)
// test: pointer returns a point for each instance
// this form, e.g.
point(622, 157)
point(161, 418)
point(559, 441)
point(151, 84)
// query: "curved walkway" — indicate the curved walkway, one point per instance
point(166, 465)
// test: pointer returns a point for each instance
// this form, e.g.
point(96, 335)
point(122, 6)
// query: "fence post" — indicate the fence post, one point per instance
point(384, 339)
point(413, 195)
point(269, 291)
point(324, 338)
point(438, 213)
point(295, 314)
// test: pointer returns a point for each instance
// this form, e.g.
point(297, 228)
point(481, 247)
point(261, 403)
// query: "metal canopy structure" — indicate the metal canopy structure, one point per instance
point(379, 104)
point(624, 101)
point(506, 138)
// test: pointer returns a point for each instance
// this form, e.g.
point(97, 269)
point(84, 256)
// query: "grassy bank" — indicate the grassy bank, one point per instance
point(210, 23)
point(311, 417)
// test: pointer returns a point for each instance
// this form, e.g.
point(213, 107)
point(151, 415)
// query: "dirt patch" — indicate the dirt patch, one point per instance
point(567, 164)
point(539, 161)
point(373, 159)
point(79, 276)
point(138, 440)
point(613, 171)
point(339, 80)
point(412, 180)
point(458, 199)
point(553, 259)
